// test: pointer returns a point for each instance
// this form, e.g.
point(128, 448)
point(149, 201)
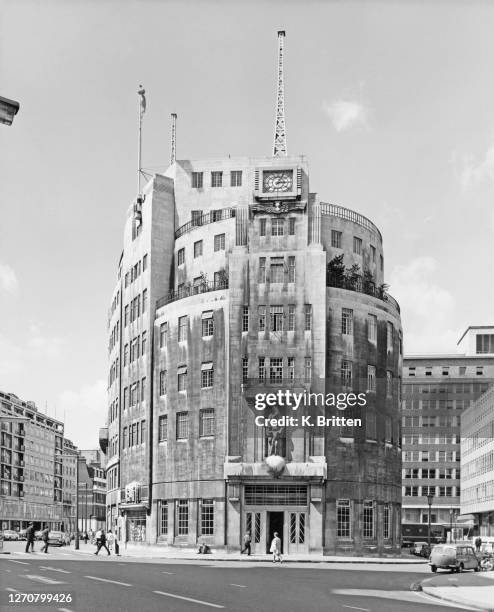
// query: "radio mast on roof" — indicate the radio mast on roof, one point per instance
point(279, 149)
point(173, 154)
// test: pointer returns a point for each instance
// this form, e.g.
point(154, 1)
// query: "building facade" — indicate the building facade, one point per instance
point(31, 466)
point(236, 281)
point(92, 490)
point(438, 390)
point(69, 485)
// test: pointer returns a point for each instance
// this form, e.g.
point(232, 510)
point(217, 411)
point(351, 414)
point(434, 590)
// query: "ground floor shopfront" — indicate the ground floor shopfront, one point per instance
point(17, 514)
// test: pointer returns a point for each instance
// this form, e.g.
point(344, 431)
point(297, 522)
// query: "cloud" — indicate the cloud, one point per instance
point(427, 309)
point(8, 279)
point(85, 412)
point(472, 173)
point(345, 114)
point(42, 345)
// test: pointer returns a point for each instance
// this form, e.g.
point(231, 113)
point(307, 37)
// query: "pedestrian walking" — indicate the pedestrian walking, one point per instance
point(276, 548)
point(478, 543)
point(247, 543)
point(44, 538)
point(86, 537)
point(101, 541)
point(30, 538)
point(110, 538)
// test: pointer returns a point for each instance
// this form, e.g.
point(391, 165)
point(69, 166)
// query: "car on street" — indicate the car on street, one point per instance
point(420, 549)
point(56, 538)
point(22, 534)
point(456, 557)
point(10, 535)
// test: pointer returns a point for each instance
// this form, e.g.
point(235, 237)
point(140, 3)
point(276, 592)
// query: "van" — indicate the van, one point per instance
point(456, 557)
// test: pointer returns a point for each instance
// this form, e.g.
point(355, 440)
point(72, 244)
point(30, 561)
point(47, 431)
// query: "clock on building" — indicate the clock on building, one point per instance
point(276, 181)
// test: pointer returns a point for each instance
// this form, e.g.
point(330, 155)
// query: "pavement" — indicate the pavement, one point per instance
point(470, 589)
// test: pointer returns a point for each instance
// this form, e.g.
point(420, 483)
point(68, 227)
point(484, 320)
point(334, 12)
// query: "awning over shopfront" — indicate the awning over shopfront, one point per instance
point(467, 520)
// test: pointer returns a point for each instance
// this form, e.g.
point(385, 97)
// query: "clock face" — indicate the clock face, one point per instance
point(279, 180)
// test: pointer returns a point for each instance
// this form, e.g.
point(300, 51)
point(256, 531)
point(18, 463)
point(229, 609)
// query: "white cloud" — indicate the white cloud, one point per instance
point(42, 345)
point(427, 309)
point(345, 114)
point(474, 173)
point(85, 412)
point(8, 279)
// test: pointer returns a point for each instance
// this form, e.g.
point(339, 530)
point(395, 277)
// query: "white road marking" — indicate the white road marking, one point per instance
point(169, 573)
point(107, 580)
point(21, 562)
point(55, 569)
point(439, 602)
point(355, 608)
point(238, 585)
point(204, 603)
point(63, 610)
point(43, 579)
point(12, 590)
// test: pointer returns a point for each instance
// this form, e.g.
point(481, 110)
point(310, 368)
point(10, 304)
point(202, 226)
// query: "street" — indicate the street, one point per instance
point(112, 583)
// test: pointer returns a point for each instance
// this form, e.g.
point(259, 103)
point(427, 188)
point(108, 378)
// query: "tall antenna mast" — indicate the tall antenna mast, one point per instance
point(142, 108)
point(173, 154)
point(279, 149)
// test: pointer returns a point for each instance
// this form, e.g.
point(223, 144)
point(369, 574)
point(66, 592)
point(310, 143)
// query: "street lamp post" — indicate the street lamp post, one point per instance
point(430, 497)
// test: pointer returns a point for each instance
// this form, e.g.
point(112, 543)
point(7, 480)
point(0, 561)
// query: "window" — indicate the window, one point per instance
point(371, 378)
point(291, 368)
point(163, 382)
point(445, 370)
point(182, 379)
point(389, 336)
point(347, 321)
point(429, 473)
point(219, 242)
point(207, 324)
point(484, 343)
point(276, 318)
point(217, 179)
point(262, 270)
point(183, 326)
point(206, 422)
point(343, 518)
point(196, 217)
point(181, 257)
point(389, 383)
point(291, 269)
point(261, 369)
point(291, 317)
point(373, 253)
point(163, 521)
point(126, 355)
point(479, 370)
point(336, 239)
point(381, 263)
point(370, 425)
point(277, 227)
point(134, 394)
point(144, 300)
point(198, 249)
point(245, 319)
point(236, 178)
point(307, 317)
point(412, 491)
point(291, 226)
point(143, 432)
point(262, 227)
point(357, 245)
point(372, 328)
point(125, 398)
point(245, 369)
point(261, 310)
point(368, 530)
point(428, 370)
point(163, 334)
point(346, 373)
point(275, 369)
point(386, 521)
point(411, 371)
point(308, 369)
point(182, 425)
point(277, 270)
point(143, 389)
point(207, 377)
point(163, 428)
point(126, 315)
point(182, 517)
point(197, 180)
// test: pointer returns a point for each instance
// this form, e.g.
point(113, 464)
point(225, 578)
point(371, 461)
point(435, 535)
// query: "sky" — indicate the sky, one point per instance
point(392, 102)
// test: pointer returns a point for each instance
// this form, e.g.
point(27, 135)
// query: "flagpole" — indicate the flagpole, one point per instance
point(142, 105)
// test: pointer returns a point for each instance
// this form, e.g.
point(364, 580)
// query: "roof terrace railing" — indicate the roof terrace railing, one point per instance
point(210, 217)
point(187, 291)
point(334, 210)
point(361, 285)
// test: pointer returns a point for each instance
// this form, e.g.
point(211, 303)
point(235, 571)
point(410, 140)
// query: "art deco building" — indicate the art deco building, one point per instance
point(236, 280)
point(438, 392)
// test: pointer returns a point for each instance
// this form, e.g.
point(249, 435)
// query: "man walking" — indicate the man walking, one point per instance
point(478, 543)
point(30, 538)
point(101, 542)
point(247, 543)
point(276, 548)
point(44, 537)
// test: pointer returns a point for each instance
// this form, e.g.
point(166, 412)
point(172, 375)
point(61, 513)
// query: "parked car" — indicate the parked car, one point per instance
point(37, 534)
point(56, 538)
point(22, 534)
point(420, 549)
point(456, 557)
point(10, 534)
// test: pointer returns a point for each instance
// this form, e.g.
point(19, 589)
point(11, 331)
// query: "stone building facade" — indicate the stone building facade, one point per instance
point(236, 281)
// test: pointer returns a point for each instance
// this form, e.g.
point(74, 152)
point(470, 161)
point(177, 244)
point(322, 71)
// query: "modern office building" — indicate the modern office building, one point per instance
point(69, 481)
point(437, 390)
point(92, 490)
point(31, 465)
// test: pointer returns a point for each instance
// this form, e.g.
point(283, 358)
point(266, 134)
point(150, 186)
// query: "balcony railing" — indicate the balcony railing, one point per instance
point(334, 210)
point(361, 285)
point(189, 290)
point(210, 217)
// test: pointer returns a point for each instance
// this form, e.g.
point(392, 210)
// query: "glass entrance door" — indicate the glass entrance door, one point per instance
point(296, 532)
point(254, 524)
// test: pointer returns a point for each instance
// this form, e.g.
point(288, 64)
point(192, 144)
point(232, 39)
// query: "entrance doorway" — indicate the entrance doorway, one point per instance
point(275, 523)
